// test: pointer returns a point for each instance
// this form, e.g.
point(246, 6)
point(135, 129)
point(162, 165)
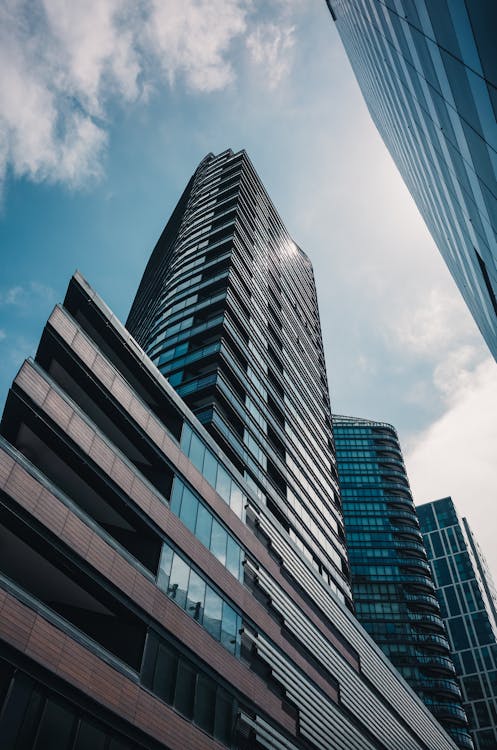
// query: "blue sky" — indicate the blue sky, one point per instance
point(106, 109)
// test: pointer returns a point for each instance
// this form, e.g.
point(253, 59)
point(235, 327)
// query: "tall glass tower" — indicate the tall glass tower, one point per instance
point(392, 585)
point(227, 310)
point(468, 601)
point(428, 73)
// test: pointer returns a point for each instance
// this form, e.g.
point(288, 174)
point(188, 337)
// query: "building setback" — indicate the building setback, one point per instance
point(428, 73)
point(392, 585)
point(154, 591)
point(467, 599)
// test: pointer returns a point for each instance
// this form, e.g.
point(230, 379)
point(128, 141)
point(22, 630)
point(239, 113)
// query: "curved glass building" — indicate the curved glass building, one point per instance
point(428, 73)
point(392, 584)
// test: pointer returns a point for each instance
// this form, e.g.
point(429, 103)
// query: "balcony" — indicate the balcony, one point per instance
point(444, 687)
point(407, 533)
point(461, 737)
point(410, 547)
point(430, 641)
point(448, 711)
point(399, 500)
point(435, 664)
point(400, 517)
point(420, 583)
point(417, 566)
point(422, 602)
point(428, 621)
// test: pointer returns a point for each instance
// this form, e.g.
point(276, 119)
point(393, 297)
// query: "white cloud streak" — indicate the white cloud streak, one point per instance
point(64, 63)
point(25, 296)
point(271, 48)
point(456, 454)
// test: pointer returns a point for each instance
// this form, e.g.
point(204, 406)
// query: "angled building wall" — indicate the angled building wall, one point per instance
point(428, 73)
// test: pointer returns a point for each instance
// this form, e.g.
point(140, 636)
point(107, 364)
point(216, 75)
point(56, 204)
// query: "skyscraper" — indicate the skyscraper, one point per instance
point(428, 73)
point(154, 591)
point(392, 585)
point(467, 598)
point(227, 310)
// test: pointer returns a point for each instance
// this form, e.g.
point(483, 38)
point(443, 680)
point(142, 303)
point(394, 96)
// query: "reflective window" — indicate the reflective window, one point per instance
point(213, 613)
point(204, 526)
point(187, 506)
point(219, 540)
point(199, 600)
point(212, 470)
point(178, 581)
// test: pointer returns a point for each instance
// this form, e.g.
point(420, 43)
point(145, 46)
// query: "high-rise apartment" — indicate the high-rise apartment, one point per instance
point(227, 311)
point(164, 585)
point(468, 601)
point(428, 73)
point(392, 585)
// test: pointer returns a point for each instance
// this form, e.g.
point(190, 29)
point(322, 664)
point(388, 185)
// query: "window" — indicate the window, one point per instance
point(190, 591)
point(200, 521)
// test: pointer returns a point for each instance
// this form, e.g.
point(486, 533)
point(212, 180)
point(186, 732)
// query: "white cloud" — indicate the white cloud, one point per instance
point(63, 64)
point(270, 45)
point(439, 320)
point(25, 296)
point(456, 455)
point(3, 335)
point(192, 38)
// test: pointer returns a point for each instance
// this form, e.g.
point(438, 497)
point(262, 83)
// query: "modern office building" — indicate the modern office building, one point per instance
point(468, 602)
point(392, 585)
point(428, 73)
point(154, 591)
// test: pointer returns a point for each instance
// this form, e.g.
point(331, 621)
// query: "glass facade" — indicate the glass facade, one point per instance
point(392, 585)
point(468, 602)
point(428, 73)
point(227, 310)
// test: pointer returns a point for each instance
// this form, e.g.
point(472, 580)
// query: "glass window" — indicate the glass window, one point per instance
point(223, 483)
point(233, 558)
point(176, 495)
point(468, 661)
point(176, 378)
point(189, 507)
point(472, 687)
point(196, 452)
point(203, 526)
point(165, 568)
point(56, 727)
point(210, 468)
point(186, 436)
point(482, 713)
point(229, 628)
point(213, 613)
point(165, 670)
point(205, 703)
point(236, 500)
point(178, 581)
point(219, 539)
point(458, 633)
point(223, 721)
point(90, 737)
point(196, 596)
point(185, 689)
